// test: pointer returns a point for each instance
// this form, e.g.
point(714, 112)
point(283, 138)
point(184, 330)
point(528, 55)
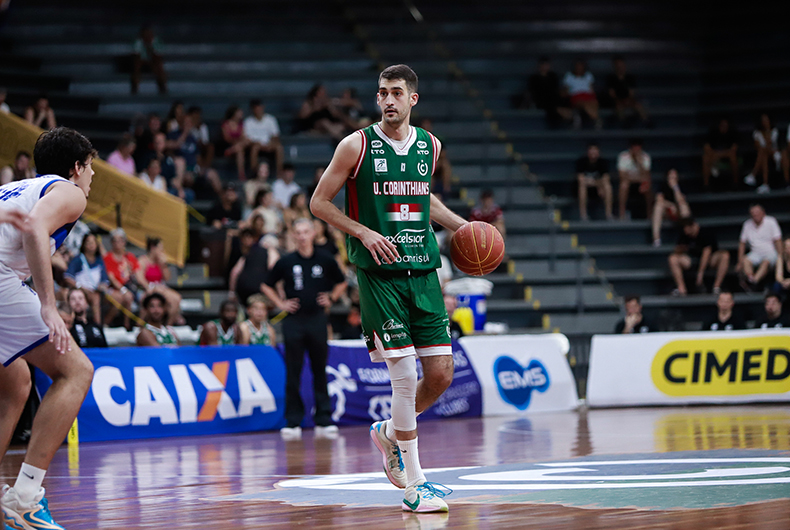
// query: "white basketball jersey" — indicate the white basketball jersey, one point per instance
point(23, 195)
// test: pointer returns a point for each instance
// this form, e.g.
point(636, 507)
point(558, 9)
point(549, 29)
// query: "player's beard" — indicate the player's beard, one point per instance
point(396, 120)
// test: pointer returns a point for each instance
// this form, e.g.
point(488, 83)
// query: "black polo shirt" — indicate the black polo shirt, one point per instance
point(769, 323)
point(304, 278)
point(88, 335)
point(732, 323)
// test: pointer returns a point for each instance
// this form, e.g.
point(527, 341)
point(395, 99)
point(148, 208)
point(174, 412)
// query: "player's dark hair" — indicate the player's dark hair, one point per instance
point(400, 71)
point(225, 304)
point(151, 242)
point(58, 150)
point(631, 297)
point(151, 297)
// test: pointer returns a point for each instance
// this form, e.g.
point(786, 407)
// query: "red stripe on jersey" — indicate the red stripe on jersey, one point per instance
point(361, 155)
point(353, 204)
point(396, 207)
point(435, 152)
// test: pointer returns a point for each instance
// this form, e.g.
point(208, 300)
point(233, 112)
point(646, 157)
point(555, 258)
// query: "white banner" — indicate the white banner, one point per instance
point(522, 373)
point(687, 368)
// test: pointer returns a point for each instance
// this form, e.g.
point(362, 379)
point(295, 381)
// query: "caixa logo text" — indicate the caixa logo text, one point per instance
point(516, 383)
point(154, 392)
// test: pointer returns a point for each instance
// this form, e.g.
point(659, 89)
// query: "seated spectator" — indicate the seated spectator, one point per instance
point(183, 143)
point(670, 202)
point(121, 268)
point(351, 110)
point(700, 245)
point(256, 330)
point(234, 141)
point(147, 55)
point(318, 114)
point(175, 117)
point(580, 87)
point(620, 85)
point(152, 176)
point(766, 143)
point(263, 131)
point(203, 137)
point(258, 182)
point(144, 138)
point(87, 272)
point(272, 216)
point(152, 274)
point(66, 313)
point(721, 144)
point(21, 170)
point(544, 91)
point(726, 319)
point(121, 159)
point(284, 187)
point(488, 211)
point(223, 331)
point(226, 212)
point(41, 114)
point(633, 167)
point(156, 332)
point(86, 333)
point(783, 268)
point(773, 317)
point(764, 237)
point(170, 167)
point(297, 208)
point(3, 105)
point(592, 171)
point(634, 321)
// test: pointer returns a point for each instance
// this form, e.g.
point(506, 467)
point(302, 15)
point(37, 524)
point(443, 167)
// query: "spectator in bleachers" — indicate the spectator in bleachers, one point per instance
point(175, 117)
point(721, 144)
point(544, 91)
point(121, 159)
point(783, 268)
point(441, 181)
point(786, 159)
point(156, 332)
point(621, 88)
point(297, 208)
point(592, 171)
point(234, 142)
point(144, 138)
point(726, 319)
point(3, 105)
point(240, 248)
point(87, 271)
point(121, 271)
point(265, 207)
point(66, 313)
point(766, 144)
point(226, 212)
point(152, 176)
point(317, 174)
point(202, 136)
point(41, 114)
point(152, 274)
point(633, 167)
point(489, 212)
point(284, 187)
point(634, 321)
point(169, 166)
point(697, 244)
point(670, 202)
point(147, 55)
point(318, 114)
point(764, 237)
point(324, 240)
point(773, 317)
point(86, 333)
point(259, 182)
point(352, 330)
point(256, 330)
point(263, 131)
point(352, 110)
point(182, 142)
point(223, 331)
point(579, 84)
point(253, 267)
point(21, 170)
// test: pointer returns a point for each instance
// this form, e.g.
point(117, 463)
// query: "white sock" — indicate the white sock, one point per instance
point(389, 430)
point(411, 461)
point(28, 483)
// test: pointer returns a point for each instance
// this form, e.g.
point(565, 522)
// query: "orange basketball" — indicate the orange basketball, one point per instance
point(477, 248)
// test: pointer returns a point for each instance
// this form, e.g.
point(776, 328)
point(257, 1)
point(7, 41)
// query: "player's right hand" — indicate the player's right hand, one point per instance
point(58, 332)
point(380, 246)
point(19, 220)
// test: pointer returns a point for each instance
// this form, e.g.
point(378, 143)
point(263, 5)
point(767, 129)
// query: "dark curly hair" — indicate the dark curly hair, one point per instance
point(58, 150)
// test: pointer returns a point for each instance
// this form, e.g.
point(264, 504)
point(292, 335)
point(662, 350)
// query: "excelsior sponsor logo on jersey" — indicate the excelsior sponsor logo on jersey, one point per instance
point(402, 187)
point(409, 237)
point(404, 212)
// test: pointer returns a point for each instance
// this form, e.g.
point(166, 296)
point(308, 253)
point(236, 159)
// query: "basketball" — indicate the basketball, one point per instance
point(477, 248)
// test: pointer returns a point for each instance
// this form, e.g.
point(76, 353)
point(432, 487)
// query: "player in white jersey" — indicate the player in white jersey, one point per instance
point(30, 324)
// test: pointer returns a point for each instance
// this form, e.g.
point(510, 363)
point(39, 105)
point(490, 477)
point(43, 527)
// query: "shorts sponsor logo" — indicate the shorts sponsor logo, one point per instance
point(380, 165)
point(422, 145)
point(391, 325)
point(376, 144)
point(516, 383)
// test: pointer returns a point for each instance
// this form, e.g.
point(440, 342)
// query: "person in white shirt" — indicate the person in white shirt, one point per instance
point(152, 176)
point(633, 167)
point(579, 86)
point(766, 138)
point(764, 237)
point(264, 133)
point(284, 187)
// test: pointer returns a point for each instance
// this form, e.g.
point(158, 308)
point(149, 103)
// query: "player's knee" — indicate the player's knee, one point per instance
point(441, 379)
point(20, 391)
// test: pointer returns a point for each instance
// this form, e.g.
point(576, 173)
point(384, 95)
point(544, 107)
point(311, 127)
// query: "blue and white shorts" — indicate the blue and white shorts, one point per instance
point(21, 325)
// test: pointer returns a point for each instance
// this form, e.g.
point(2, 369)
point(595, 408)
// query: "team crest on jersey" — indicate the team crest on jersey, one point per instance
point(380, 165)
point(404, 212)
point(422, 167)
point(375, 144)
point(421, 145)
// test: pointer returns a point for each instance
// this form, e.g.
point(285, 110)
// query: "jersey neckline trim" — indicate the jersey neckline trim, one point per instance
point(400, 151)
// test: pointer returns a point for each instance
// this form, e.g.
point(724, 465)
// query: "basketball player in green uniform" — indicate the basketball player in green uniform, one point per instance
point(156, 332)
point(256, 331)
point(386, 169)
point(222, 331)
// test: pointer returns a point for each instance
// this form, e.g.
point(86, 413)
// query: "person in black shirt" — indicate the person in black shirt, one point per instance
point(670, 202)
point(312, 282)
point(226, 212)
point(85, 331)
point(544, 90)
point(721, 144)
point(700, 244)
point(634, 321)
point(592, 171)
point(726, 318)
point(620, 85)
point(773, 313)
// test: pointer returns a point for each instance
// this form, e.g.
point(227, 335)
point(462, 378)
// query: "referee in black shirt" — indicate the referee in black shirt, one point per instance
point(312, 282)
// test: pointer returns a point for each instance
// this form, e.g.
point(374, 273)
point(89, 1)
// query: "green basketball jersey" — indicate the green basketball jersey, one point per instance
point(164, 335)
point(225, 338)
point(390, 192)
point(259, 337)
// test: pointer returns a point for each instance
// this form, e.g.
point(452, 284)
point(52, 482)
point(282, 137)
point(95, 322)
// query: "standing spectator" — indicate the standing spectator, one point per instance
point(726, 319)
point(152, 274)
point(147, 55)
point(766, 143)
point(544, 90)
point(272, 216)
point(175, 117)
point(234, 142)
point(121, 159)
point(489, 212)
point(263, 132)
point(721, 144)
point(580, 86)
point(3, 105)
point(318, 114)
point(41, 114)
point(620, 85)
point(156, 332)
point(254, 269)
point(87, 271)
point(121, 269)
point(152, 176)
point(764, 237)
point(696, 243)
point(256, 330)
point(259, 181)
point(144, 138)
point(592, 171)
point(86, 333)
point(670, 202)
point(311, 282)
point(226, 211)
point(633, 167)
point(773, 313)
point(223, 331)
point(21, 170)
point(634, 321)
point(783, 268)
point(202, 136)
point(284, 187)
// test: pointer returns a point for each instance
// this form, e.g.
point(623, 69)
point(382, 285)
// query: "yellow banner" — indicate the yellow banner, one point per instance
point(144, 212)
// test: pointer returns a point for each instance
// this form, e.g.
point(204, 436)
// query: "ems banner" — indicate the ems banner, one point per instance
point(687, 368)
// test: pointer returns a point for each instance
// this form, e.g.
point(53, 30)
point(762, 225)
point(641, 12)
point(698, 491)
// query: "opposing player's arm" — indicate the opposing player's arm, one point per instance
point(334, 178)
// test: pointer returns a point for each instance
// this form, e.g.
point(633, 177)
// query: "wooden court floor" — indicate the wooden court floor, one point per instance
point(680, 468)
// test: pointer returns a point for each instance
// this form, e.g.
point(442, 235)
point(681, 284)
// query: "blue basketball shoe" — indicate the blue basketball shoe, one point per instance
point(18, 515)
